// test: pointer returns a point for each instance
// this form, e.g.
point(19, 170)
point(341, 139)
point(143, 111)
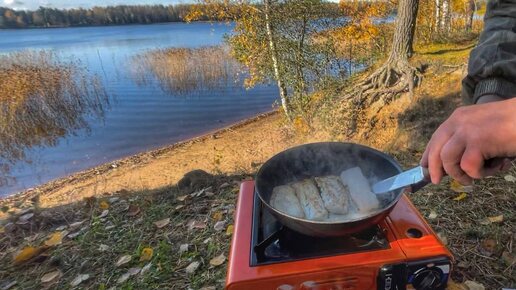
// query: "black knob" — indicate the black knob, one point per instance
point(428, 279)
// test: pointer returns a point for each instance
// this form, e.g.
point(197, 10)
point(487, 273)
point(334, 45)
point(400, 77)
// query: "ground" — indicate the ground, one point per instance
point(129, 225)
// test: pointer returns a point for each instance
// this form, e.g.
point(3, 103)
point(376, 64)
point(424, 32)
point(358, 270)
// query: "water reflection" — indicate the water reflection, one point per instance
point(183, 71)
point(42, 99)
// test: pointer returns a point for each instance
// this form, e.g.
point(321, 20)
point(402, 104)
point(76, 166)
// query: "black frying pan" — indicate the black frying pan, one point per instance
point(322, 159)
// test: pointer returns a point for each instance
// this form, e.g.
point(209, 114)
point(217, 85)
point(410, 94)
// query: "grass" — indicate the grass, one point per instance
point(128, 235)
point(42, 99)
point(186, 70)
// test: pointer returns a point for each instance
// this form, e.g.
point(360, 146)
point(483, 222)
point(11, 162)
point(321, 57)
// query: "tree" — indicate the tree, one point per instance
point(275, 40)
point(396, 75)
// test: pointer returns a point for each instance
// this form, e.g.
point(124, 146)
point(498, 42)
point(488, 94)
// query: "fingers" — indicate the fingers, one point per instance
point(472, 163)
point(434, 147)
point(451, 155)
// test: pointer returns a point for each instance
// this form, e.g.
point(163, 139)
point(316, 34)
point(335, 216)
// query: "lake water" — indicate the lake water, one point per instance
point(139, 117)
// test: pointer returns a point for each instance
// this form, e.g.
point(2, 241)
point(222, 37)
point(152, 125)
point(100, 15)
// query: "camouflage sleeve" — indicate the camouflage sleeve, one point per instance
point(492, 64)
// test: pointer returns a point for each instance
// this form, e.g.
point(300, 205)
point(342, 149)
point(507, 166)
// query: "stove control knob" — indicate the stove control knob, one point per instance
point(428, 279)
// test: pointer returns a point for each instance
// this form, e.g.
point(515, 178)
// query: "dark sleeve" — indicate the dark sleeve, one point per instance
point(492, 64)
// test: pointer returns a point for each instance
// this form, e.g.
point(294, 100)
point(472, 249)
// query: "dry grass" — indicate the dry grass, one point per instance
point(186, 70)
point(41, 99)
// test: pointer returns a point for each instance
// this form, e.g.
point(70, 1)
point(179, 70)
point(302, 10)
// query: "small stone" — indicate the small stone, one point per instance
point(432, 215)
point(114, 165)
point(113, 199)
point(183, 248)
point(190, 269)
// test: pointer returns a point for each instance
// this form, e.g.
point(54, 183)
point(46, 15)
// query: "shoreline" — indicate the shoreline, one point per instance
point(130, 160)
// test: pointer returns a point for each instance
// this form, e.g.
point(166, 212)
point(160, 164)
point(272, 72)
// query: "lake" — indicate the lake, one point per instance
point(139, 116)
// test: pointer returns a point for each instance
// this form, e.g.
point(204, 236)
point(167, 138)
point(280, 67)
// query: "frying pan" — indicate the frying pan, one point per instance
point(322, 159)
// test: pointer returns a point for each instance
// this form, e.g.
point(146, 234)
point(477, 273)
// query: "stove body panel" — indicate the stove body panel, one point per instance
point(412, 248)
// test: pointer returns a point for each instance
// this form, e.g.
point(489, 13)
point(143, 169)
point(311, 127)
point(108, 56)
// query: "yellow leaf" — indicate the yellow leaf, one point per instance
point(26, 254)
point(217, 261)
point(104, 205)
point(459, 188)
point(460, 196)
point(146, 254)
point(229, 230)
point(496, 219)
point(218, 216)
point(55, 239)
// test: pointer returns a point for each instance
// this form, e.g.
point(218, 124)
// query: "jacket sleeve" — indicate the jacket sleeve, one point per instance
point(492, 64)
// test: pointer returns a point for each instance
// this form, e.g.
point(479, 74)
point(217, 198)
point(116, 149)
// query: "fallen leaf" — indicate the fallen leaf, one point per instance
point(496, 219)
point(25, 217)
point(123, 278)
point(27, 253)
point(123, 260)
point(209, 193)
point(103, 204)
point(510, 178)
point(224, 185)
point(455, 286)
point(460, 197)
point(209, 288)
point(218, 215)
point(472, 285)
point(55, 239)
point(432, 215)
point(487, 247)
point(230, 230)
point(207, 240)
point(162, 223)
point(219, 226)
point(145, 269)
point(443, 238)
point(459, 188)
point(134, 271)
point(73, 235)
point(193, 224)
point(508, 258)
point(103, 247)
point(179, 207)
point(182, 197)
point(8, 285)
point(146, 254)
point(192, 267)
point(113, 199)
point(51, 277)
point(104, 213)
point(76, 225)
point(60, 228)
point(217, 261)
point(183, 248)
point(79, 279)
point(2, 230)
point(133, 210)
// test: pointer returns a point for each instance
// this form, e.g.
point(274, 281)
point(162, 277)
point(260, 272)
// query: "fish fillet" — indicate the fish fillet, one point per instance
point(310, 200)
point(360, 190)
point(334, 194)
point(285, 200)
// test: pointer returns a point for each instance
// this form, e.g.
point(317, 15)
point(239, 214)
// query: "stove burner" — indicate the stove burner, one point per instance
point(274, 243)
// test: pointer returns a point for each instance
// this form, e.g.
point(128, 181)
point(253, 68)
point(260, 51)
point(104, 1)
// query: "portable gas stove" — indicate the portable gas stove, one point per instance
point(401, 252)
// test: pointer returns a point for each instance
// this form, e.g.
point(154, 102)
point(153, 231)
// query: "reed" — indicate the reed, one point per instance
point(187, 70)
point(43, 98)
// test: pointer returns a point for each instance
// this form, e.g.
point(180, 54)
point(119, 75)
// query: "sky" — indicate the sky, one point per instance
point(34, 4)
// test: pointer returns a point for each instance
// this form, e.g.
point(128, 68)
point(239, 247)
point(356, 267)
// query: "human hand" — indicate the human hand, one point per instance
point(471, 136)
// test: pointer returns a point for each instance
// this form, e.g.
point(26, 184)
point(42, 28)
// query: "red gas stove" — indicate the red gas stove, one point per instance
point(402, 252)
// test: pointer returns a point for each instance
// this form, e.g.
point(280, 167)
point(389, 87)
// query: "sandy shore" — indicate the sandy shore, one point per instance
point(241, 147)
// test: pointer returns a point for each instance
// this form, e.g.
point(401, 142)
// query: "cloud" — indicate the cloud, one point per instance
point(8, 2)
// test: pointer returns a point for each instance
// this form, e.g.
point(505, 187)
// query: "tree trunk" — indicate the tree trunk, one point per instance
point(275, 64)
point(404, 33)
point(470, 12)
point(446, 16)
point(437, 22)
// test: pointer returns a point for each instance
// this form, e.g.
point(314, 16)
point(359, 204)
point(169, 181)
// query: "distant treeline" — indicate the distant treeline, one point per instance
point(111, 15)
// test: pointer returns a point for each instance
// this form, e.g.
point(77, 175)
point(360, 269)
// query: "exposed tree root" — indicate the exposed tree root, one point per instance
point(383, 85)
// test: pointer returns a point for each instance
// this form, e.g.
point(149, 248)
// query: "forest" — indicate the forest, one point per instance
point(111, 15)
